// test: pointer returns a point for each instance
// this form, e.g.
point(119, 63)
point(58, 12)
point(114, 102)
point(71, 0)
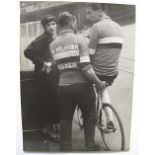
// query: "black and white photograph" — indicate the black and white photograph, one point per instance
point(76, 76)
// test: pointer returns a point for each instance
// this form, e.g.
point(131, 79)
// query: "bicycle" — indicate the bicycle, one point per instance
point(113, 139)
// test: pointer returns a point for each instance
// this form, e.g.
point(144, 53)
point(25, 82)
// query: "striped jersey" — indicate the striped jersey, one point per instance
point(66, 50)
point(106, 39)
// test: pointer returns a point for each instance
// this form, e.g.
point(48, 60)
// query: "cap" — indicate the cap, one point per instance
point(47, 19)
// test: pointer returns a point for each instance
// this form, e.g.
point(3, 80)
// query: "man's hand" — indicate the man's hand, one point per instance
point(47, 67)
point(102, 85)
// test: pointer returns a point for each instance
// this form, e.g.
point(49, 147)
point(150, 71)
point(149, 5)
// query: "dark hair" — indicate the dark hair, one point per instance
point(65, 18)
point(47, 19)
point(97, 6)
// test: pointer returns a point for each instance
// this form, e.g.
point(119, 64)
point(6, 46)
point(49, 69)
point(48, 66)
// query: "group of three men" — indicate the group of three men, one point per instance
point(70, 53)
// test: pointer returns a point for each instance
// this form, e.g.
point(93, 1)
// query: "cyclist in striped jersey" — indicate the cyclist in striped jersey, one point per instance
point(105, 44)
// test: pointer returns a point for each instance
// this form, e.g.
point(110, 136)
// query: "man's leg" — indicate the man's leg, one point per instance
point(88, 108)
point(67, 111)
point(105, 98)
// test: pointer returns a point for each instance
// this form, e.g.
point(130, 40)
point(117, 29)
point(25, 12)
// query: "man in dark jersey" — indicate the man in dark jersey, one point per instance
point(71, 54)
point(105, 44)
point(46, 77)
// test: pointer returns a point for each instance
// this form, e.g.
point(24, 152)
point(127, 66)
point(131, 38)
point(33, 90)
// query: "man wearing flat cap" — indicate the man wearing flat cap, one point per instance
point(45, 74)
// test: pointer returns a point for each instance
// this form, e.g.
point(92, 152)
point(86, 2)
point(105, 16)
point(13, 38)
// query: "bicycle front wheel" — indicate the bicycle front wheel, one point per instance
point(114, 140)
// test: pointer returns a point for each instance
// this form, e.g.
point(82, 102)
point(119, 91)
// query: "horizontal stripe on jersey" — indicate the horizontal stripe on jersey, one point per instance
point(69, 59)
point(65, 54)
point(84, 59)
point(108, 40)
point(113, 45)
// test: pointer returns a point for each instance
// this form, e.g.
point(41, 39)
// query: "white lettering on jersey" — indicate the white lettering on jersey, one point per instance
point(68, 65)
point(65, 48)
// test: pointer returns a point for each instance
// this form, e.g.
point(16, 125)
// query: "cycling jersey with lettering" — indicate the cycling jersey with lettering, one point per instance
point(66, 51)
point(106, 39)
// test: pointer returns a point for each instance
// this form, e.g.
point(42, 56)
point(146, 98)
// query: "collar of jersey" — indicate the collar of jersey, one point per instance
point(66, 31)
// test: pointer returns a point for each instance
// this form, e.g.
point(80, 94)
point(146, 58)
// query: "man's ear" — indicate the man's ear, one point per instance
point(74, 27)
point(100, 12)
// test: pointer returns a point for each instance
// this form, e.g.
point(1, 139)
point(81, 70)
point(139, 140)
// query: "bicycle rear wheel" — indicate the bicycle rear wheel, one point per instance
point(113, 140)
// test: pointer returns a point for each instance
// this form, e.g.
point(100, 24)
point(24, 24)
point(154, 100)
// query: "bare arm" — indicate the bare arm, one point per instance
point(86, 66)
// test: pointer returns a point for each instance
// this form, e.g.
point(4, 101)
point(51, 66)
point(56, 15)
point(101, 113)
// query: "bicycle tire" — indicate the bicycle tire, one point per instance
point(104, 134)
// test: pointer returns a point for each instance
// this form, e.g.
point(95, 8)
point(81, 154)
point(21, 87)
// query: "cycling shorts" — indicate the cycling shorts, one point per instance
point(108, 79)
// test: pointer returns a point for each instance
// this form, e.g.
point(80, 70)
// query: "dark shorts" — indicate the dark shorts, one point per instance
point(108, 79)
